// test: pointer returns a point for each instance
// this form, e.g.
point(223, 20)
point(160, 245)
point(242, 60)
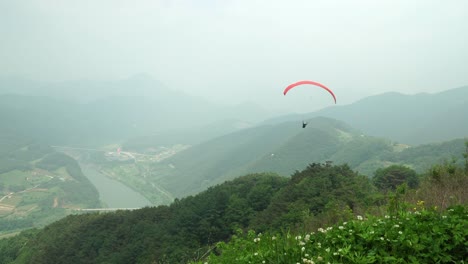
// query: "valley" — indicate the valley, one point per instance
point(196, 177)
point(233, 132)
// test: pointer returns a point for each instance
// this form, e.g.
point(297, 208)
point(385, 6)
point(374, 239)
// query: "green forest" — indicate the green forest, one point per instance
point(324, 213)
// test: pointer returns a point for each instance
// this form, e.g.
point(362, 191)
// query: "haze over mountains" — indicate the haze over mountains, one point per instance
point(410, 119)
point(284, 147)
point(90, 112)
point(207, 143)
point(139, 113)
point(102, 112)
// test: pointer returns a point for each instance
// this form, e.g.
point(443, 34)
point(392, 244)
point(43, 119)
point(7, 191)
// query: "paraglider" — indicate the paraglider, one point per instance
point(309, 82)
point(291, 86)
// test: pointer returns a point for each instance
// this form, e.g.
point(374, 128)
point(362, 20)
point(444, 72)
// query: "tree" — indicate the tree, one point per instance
point(391, 177)
point(465, 155)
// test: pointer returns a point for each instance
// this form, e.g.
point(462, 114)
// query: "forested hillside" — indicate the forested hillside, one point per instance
point(188, 230)
point(283, 147)
point(38, 185)
point(189, 226)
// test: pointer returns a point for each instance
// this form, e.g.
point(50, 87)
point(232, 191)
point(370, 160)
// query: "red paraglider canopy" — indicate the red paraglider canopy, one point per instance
point(308, 82)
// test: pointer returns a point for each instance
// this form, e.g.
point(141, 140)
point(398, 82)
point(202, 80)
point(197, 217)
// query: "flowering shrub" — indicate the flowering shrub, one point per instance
point(420, 236)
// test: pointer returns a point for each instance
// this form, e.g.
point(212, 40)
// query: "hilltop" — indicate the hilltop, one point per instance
point(409, 119)
point(283, 147)
point(95, 113)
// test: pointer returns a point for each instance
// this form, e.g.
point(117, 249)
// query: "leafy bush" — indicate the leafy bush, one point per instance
point(420, 236)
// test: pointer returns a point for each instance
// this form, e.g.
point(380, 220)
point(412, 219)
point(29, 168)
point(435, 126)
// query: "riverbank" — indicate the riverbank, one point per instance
point(112, 193)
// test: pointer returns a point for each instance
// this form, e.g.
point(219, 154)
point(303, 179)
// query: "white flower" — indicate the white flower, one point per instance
point(256, 254)
point(341, 227)
point(399, 232)
point(307, 237)
point(396, 226)
point(359, 217)
point(302, 249)
point(327, 250)
point(273, 238)
point(387, 216)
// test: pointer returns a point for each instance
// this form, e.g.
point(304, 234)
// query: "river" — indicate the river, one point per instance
point(113, 193)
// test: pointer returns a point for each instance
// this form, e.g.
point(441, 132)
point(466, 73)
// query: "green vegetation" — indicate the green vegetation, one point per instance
point(424, 225)
point(324, 213)
point(280, 148)
point(417, 236)
point(393, 176)
point(38, 185)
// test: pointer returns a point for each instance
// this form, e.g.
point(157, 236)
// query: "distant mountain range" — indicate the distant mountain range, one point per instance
point(410, 119)
point(231, 141)
point(93, 113)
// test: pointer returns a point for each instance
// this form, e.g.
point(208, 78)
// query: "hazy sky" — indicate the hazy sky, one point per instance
point(232, 51)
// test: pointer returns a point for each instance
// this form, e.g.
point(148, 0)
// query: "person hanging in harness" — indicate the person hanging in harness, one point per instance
point(304, 124)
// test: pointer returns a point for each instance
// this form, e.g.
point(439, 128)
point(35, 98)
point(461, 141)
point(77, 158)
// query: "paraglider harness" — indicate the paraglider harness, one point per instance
point(304, 124)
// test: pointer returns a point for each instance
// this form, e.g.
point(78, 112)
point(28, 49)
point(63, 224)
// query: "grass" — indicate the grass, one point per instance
point(62, 172)
point(13, 201)
point(14, 177)
point(11, 234)
point(34, 196)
